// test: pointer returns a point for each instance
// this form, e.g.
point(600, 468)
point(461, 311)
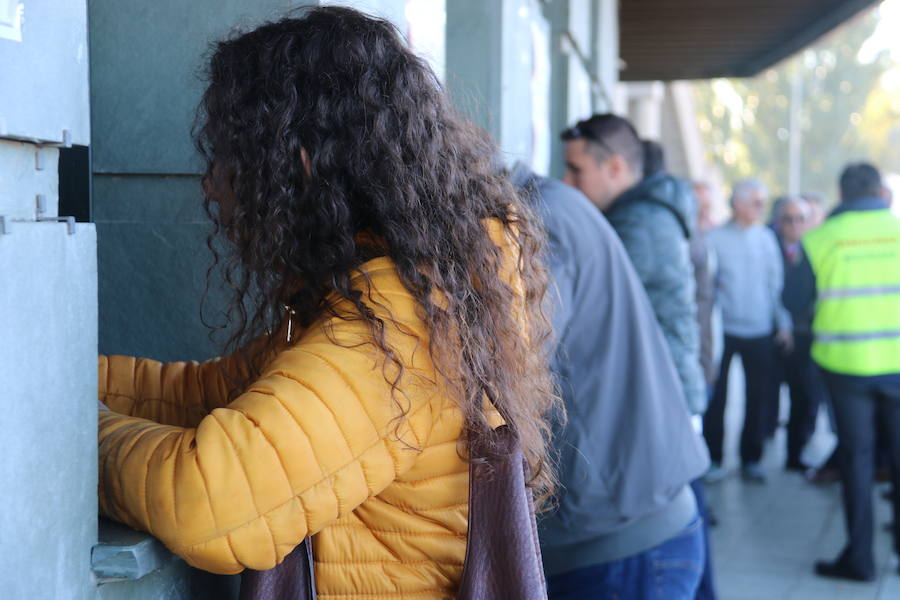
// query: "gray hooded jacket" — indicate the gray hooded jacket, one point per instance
point(628, 451)
point(655, 220)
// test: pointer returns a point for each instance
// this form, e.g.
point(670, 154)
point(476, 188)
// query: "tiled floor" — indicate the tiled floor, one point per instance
point(769, 536)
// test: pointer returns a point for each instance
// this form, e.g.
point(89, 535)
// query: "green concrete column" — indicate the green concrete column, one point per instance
point(492, 58)
point(474, 60)
point(585, 63)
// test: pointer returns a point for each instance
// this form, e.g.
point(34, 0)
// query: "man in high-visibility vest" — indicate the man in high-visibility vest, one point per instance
point(855, 282)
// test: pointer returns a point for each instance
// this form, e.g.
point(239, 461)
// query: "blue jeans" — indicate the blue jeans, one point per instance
point(670, 571)
point(707, 587)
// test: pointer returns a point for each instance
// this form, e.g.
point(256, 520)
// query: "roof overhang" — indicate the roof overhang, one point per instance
point(701, 39)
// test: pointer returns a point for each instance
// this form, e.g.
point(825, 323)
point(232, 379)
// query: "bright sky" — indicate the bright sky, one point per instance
point(885, 36)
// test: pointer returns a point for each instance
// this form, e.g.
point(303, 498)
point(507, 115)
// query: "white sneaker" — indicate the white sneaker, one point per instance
point(715, 474)
point(753, 473)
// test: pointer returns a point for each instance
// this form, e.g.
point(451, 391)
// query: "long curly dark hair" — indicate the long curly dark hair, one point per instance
point(331, 133)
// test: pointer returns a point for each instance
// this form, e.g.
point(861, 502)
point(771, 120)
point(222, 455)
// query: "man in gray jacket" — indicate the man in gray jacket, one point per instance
point(749, 281)
point(627, 521)
point(654, 217)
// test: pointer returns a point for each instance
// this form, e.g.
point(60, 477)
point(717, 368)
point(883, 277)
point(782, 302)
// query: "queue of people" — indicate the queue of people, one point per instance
point(401, 292)
point(761, 282)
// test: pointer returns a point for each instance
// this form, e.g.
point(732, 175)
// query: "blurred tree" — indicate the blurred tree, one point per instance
point(881, 121)
point(847, 112)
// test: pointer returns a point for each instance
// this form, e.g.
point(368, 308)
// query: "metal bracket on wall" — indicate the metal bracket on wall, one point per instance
point(41, 208)
point(69, 221)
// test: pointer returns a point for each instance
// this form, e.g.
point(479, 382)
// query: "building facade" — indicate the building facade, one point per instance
point(97, 100)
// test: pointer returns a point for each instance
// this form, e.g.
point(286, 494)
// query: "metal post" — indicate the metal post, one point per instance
point(795, 139)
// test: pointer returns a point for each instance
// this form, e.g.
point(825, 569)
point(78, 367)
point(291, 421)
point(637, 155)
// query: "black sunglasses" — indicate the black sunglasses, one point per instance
point(575, 133)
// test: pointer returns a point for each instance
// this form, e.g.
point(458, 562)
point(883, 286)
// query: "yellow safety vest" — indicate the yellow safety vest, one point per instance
point(856, 259)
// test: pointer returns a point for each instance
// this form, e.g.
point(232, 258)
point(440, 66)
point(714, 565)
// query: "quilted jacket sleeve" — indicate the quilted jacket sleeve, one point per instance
point(319, 433)
point(178, 393)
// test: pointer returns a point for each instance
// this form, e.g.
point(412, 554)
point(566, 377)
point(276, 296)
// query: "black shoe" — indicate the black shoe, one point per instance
point(753, 473)
point(838, 570)
point(823, 476)
point(795, 465)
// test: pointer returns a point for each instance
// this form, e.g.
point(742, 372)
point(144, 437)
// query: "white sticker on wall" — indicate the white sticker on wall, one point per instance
point(12, 15)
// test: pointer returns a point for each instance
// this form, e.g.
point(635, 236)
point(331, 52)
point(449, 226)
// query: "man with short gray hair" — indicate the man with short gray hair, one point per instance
point(749, 282)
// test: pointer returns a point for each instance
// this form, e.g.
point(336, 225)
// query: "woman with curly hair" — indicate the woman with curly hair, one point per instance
point(389, 279)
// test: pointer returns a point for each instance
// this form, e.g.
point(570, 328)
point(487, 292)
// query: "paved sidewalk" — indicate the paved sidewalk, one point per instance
point(770, 535)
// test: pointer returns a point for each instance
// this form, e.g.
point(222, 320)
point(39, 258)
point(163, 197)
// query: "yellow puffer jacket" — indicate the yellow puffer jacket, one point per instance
point(316, 446)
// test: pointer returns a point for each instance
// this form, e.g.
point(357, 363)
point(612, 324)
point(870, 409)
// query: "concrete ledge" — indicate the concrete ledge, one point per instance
point(124, 553)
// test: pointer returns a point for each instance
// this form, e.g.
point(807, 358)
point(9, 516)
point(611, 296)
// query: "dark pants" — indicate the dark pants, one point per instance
point(756, 354)
point(670, 570)
point(860, 406)
point(807, 391)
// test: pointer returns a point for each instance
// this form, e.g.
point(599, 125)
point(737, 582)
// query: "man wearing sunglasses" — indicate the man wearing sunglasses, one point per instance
point(654, 218)
point(795, 366)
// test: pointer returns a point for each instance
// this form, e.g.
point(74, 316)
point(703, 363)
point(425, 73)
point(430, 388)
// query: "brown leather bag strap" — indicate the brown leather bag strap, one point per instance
point(310, 569)
point(293, 579)
point(503, 554)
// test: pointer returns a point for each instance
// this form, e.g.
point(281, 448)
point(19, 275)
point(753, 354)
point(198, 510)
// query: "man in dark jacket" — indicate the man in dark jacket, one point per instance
point(852, 273)
point(654, 218)
point(627, 521)
point(794, 364)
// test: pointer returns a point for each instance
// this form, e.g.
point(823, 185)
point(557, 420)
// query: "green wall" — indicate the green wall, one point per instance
point(146, 60)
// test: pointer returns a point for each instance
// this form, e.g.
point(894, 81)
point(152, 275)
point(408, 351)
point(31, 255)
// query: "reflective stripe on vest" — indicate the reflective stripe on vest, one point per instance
point(856, 337)
point(856, 260)
point(857, 292)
